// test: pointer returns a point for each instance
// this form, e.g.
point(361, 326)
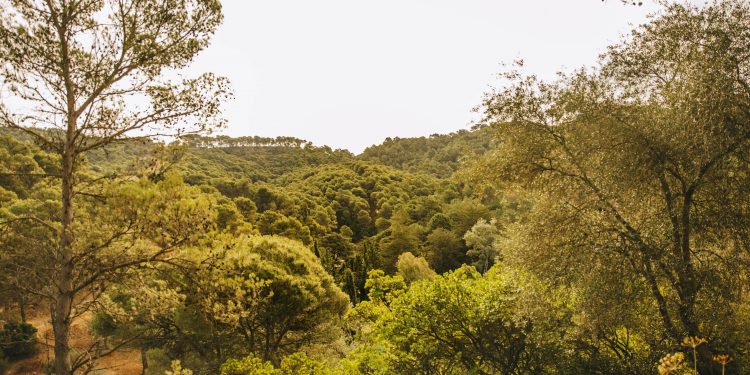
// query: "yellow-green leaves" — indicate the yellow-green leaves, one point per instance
point(632, 174)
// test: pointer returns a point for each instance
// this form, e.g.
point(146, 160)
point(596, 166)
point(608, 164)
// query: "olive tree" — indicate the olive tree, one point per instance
point(640, 165)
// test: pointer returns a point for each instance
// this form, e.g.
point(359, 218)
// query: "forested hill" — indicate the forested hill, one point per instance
point(438, 154)
point(358, 212)
point(199, 158)
point(242, 195)
point(264, 159)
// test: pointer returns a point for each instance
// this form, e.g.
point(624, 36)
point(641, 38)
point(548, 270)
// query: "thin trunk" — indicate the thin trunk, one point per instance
point(217, 348)
point(61, 311)
point(22, 307)
point(661, 302)
point(688, 286)
point(63, 282)
point(144, 361)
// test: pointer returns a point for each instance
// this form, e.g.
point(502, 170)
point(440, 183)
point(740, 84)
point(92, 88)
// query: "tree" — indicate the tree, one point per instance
point(264, 295)
point(455, 329)
point(339, 249)
point(460, 322)
point(294, 364)
point(439, 220)
point(413, 268)
point(349, 286)
point(444, 250)
point(300, 364)
point(250, 365)
point(177, 369)
point(381, 287)
point(480, 240)
point(18, 340)
point(403, 237)
point(640, 165)
point(80, 69)
point(464, 214)
point(23, 194)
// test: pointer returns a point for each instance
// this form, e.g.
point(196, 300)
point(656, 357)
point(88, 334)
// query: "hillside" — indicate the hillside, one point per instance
point(217, 157)
point(355, 213)
point(439, 154)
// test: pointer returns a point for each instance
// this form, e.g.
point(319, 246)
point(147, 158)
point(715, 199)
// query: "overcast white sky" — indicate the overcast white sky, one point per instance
point(349, 73)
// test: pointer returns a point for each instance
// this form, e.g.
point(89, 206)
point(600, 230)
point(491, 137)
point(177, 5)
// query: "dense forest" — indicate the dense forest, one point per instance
point(594, 224)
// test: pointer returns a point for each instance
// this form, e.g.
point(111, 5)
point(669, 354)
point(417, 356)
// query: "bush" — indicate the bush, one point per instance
point(295, 364)
point(3, 365)
point(300, 364)
point(249, 365)
point(18, 340)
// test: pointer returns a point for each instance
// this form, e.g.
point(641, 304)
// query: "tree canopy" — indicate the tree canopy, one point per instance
point(596, 223)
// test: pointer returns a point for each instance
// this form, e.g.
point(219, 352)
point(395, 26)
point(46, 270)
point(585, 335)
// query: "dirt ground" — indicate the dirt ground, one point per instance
point(124, 362)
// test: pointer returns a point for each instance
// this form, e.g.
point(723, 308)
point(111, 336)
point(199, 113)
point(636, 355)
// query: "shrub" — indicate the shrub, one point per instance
point(3, 365)
point(249, 365)
point(18, 340)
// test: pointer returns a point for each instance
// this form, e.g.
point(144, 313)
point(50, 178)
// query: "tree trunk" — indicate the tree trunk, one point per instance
point(689, 287)
point(61, 328)
point(22, 307)
point(61, 311)
point(144, 361)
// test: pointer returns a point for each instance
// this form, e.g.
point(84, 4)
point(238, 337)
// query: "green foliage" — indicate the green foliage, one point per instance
point(382, 287)
point(177, 369)
point(158, 361)
point(18, 340)
point(402, 237)
point(439, 221)
point(269, 296)
point(443, 250)
point(298, 206)
point(439, 154)
point(249, 365)
point(294, 364)
point(638, 176)
point(254, 158)
point(592, 223)
point(481, 241)
point(463, 214)
point(451, 325)
point(461, 322)
point(300, 364)
point(412, 268)
point(4, 365)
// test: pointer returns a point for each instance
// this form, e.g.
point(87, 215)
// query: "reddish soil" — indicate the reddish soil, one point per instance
point(124, 362)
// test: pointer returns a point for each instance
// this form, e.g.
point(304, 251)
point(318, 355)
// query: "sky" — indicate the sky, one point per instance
point(349, 73)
